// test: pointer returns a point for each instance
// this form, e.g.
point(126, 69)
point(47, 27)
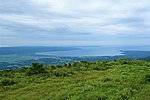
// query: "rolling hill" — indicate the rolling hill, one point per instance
point(122, 79)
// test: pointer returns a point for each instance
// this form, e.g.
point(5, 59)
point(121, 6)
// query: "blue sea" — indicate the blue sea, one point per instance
point(96, 51)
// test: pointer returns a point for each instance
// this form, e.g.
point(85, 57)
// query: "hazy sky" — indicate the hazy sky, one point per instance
point(74, 22)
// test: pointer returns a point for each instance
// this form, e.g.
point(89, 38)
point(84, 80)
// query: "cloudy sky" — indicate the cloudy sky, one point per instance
point(74, 22)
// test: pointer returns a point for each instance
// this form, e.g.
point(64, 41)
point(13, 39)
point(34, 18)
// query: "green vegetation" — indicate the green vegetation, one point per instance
point(122, 79)
point(11, 62)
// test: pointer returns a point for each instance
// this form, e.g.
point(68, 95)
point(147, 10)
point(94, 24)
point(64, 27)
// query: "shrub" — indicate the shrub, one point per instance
point(99, 67)
point(106, 79)
point(125, 61)
point(84, 62)
point(124, 94)
point(147, 79)
point(7, 82)
point(36, 68)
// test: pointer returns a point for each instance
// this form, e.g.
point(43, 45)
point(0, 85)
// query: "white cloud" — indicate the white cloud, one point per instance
point(95, 13)
point(48, 18)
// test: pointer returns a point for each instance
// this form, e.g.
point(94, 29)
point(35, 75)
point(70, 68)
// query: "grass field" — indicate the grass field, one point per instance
point(123, 79)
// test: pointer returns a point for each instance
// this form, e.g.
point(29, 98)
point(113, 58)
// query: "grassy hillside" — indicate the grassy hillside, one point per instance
point(122, 79)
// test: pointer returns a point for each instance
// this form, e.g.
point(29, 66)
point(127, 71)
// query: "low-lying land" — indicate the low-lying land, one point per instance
point(122, 79)
point(12, 58)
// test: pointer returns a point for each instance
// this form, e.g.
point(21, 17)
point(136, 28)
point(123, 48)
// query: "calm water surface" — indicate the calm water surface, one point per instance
point(97, 51)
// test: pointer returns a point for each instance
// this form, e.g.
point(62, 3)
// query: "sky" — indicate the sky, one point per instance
point(74, 22)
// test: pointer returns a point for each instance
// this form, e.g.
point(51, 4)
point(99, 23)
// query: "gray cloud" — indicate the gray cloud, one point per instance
point(70, 22)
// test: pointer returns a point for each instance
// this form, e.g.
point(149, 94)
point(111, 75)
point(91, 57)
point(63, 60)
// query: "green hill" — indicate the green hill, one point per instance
point(122, 79)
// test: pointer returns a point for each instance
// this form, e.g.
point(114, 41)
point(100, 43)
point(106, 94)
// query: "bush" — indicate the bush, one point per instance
point(125, 61)
point(124, 94)
point(7, 82)
point(106, 79)
point(147, 79)
point(61, 72)
point(99, 66)
point(36, 68)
